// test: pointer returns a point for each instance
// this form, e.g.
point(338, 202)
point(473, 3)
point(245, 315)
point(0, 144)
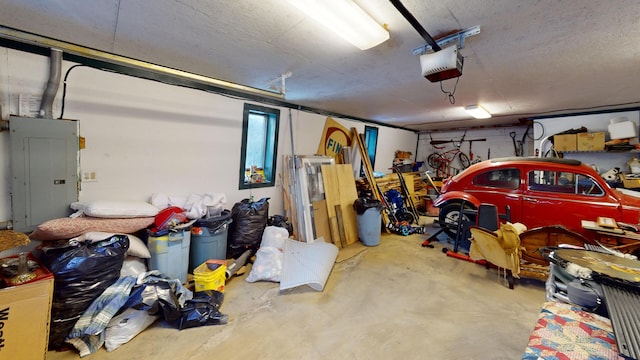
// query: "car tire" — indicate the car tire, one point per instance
point(448, 217)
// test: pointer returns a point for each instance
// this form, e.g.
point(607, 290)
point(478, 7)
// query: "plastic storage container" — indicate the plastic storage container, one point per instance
point(368, 219)
point(209, 239)
point(170, 253)
point(622, 128)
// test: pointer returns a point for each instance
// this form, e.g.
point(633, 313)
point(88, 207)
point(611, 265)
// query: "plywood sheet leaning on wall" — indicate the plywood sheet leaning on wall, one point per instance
point(340, 190)
point(348, 195)
point(321, 220)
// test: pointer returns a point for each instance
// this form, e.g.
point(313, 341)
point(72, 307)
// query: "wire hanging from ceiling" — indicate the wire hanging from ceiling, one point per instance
point(450, 94)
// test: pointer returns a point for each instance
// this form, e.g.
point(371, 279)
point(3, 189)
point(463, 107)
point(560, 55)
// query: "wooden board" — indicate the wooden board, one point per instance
point(341, 230)
point(332, 198)
point(348, 195)
point(592, 225)
point(340, 189)
point(321, 220)
point(368, 172)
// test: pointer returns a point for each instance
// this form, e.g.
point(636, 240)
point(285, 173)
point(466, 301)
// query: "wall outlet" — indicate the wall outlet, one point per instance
point(89, 176)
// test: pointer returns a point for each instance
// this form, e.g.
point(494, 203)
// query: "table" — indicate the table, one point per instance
point(615, 238)
point(620, 281)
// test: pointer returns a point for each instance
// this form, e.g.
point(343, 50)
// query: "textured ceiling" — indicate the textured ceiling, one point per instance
point(531, 58)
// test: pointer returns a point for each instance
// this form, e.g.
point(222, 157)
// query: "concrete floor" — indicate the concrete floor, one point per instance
point(397, 300)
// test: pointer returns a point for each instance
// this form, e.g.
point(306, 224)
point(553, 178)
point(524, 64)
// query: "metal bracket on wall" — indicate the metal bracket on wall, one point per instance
point(459, 36)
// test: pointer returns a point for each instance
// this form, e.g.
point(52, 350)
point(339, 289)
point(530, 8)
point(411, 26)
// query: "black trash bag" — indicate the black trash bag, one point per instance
point(215, 224)
point(82, 271)
point(202, 310)
point(361, 205)
point(281, 221)
point(157, 298)
point(245, 232)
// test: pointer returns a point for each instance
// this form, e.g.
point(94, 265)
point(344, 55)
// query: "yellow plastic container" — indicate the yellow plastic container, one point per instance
point(207, 279)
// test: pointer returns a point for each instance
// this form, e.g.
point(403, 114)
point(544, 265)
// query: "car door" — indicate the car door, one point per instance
point(553, 197)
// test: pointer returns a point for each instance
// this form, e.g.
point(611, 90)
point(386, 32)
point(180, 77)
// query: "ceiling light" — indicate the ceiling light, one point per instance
point(477, 111)
point(346, 19)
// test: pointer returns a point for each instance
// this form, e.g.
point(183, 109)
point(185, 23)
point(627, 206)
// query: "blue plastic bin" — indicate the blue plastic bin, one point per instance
point(209, 239)
point(170, 253)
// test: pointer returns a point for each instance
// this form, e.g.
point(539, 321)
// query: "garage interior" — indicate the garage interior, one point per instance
point(156, 96)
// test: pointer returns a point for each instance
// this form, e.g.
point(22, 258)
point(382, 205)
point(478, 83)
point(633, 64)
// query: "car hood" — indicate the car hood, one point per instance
point(629, 197)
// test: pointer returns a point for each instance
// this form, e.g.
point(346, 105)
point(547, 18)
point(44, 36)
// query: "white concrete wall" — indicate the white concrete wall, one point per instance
point(498, 142)
point(144, 137)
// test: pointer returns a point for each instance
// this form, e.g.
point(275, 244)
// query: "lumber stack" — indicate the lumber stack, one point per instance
point(417, 187)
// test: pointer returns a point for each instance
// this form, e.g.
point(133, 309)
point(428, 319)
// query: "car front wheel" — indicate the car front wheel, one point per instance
point(449, 215)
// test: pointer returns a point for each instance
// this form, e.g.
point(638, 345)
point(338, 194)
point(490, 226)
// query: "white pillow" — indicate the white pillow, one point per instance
point(136, 246)
point(116, 209)
point(132, 266)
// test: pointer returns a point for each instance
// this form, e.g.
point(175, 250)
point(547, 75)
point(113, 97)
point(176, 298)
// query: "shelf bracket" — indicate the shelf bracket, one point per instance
point(459, 36)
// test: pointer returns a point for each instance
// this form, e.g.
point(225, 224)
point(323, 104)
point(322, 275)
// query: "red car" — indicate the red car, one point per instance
point(538, 192)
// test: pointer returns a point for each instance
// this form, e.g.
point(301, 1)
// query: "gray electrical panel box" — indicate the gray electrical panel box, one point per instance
point(44, 169)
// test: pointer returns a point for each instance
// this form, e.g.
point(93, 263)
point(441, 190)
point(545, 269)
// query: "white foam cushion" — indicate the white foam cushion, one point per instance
point(116, 208)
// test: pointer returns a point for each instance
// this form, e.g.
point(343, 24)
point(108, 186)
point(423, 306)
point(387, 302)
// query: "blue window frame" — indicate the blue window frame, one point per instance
point(259, 146)
point(371, 142)
point(371, 139)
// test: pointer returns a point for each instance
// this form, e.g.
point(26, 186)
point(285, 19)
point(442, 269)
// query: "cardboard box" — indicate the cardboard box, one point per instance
point(592, 141)
point(25, 311)
point(630, 181)
point(566, 142)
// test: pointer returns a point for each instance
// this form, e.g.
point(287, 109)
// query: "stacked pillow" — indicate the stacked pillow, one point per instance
point(123, 217)
point(99, 220)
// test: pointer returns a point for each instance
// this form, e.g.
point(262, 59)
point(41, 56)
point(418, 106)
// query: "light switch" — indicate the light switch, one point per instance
point(89, 176)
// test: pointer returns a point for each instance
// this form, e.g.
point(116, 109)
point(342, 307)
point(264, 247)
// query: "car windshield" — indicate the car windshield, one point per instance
point(563, 182)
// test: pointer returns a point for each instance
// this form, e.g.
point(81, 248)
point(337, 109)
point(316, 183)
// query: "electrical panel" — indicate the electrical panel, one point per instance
point(44, 169)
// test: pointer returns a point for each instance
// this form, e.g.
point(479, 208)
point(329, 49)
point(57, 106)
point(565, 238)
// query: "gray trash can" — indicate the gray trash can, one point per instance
point(209, 239)
point(369, 220)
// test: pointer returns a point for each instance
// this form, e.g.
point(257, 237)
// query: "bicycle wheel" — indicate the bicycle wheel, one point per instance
point(464, 161)
point(537, 131)
point(552, 153)
point(434, 159)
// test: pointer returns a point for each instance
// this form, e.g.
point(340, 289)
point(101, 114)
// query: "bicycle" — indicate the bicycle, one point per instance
point(547, 149)
point(442, 161)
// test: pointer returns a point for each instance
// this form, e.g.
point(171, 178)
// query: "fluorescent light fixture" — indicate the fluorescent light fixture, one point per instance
point(477, 111)
point(346, 19)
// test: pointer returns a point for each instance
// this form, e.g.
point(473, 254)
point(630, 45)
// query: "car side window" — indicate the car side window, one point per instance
point(501, 178)
point(588, 186)
point(563, 182)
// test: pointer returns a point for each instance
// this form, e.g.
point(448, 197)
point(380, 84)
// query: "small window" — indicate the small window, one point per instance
point(502, 178)
point(564, 182)
point(371, 139)
point(259, 146)
point(371, 142)
point(586, 185)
